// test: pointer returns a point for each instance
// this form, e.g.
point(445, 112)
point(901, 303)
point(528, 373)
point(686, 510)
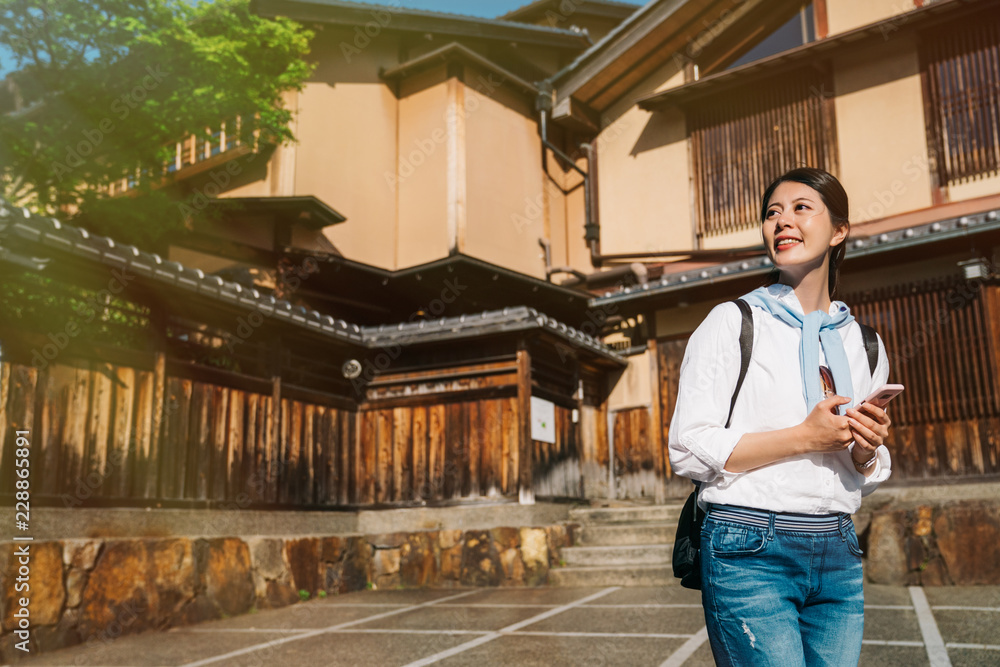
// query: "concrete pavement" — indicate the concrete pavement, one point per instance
point(538, 626)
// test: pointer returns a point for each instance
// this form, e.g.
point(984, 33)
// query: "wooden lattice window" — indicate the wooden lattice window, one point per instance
point(742, 140)
point(961, 69)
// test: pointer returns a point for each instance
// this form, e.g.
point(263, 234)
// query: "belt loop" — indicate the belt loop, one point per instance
point(843, 526)
point(770, 526)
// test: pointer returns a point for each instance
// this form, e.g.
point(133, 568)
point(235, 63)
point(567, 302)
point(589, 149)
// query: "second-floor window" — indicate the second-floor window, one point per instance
point(961, 66)
point(743, 139)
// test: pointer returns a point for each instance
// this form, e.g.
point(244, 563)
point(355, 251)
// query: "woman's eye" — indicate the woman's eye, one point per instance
point(800, 206)
point(772, 213)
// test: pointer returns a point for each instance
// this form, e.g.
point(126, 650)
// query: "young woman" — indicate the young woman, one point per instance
point(781, 566)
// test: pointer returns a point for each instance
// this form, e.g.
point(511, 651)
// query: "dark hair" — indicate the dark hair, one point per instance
point(834, 198)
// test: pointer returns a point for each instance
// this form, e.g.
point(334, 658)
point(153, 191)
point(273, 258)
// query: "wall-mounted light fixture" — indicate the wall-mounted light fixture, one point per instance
point(975, 269)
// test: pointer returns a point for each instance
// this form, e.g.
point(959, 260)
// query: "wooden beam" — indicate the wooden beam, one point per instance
point(525, 491)
point(820, 17)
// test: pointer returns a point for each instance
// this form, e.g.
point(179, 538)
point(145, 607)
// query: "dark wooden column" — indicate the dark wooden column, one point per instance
point(525, 459)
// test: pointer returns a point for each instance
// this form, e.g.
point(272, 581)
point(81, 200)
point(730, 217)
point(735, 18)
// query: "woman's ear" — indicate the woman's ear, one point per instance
point(840, 235)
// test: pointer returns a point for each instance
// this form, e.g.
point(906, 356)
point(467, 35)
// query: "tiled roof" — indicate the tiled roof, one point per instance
point(515, 318)
point(859, 247)
point(50, 233)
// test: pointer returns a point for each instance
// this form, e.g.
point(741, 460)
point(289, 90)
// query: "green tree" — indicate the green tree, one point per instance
point(101, 88)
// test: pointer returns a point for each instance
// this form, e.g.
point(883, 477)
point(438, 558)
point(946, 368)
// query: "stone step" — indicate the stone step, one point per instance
point(617, 555)
point(593, 535)
point(653, 513)
point(637, 575)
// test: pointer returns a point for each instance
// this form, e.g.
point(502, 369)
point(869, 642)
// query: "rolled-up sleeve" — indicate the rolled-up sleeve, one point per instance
point(699, 444)
point(883, 462)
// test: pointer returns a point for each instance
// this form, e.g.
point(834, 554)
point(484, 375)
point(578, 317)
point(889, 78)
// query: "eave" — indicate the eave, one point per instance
point(339, 12)
point(456, 52)
point(811, 53)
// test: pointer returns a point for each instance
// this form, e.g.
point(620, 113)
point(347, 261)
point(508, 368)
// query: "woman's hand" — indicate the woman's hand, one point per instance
point(826, 431)
point(868, 431)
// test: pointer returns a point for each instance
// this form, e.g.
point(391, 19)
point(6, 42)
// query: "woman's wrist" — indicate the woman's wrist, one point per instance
point(867, 466)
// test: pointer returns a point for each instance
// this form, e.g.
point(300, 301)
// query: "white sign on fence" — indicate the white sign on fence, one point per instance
point(543, 420)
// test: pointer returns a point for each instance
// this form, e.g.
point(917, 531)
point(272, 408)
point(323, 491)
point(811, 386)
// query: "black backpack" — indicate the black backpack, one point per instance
point(687, 542)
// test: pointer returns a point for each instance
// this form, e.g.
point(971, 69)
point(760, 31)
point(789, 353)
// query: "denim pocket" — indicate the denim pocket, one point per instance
point(733, 540)
point(852, 542)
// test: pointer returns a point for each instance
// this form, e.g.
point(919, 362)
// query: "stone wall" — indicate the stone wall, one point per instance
point(95, 590)
point(948, 543)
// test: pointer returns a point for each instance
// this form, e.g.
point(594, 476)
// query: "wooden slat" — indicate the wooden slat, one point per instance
point(402, 459)
point(249, 469)
point(158, 409)
point(217, 455)
point(235, 447)
point(293, 468)
point(490, 447)
point(21, 417)
point(58, 384)
point(142, 468)
point(418, 452)
point(121, 436)
point(453, 442)
point(436, 432)
point(383, 461)
point(272, 449)
point(175, 441)
point(199, 442)
point(307, 493)
point(346, 428)
point(368, 472)
point(75, 432)
point(99, 420)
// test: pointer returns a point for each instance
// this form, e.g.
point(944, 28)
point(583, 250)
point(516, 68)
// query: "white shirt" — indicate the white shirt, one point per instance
point(771, 398)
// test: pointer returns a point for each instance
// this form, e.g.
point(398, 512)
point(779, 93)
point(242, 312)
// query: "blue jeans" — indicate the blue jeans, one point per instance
point(782, 598)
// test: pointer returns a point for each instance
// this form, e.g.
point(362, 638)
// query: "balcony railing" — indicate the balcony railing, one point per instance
point(194, 154)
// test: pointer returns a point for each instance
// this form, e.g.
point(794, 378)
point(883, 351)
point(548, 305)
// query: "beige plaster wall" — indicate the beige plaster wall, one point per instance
point(348, 125)
point(880, 131)
point(505, 184)
point(644, 183)
point(350, 170)
point(844, 15)
point(741, 239)
point(422, 170)
point(979, 187)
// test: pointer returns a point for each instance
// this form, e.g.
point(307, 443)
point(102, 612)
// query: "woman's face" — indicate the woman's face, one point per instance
point(797, 229)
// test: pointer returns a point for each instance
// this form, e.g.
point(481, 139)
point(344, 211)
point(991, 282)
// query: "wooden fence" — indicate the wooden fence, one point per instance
point(943, 342)
point(177, 434)
point(103, 432)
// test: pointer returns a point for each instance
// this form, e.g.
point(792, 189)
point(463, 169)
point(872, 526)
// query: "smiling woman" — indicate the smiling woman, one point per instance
point(781, 567)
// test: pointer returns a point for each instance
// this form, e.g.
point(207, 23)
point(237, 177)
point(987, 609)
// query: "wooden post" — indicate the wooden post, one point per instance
point(272, 456)
point(525, 491)
point(656, 425)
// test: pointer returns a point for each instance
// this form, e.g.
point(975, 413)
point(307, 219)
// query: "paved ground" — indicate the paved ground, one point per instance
point(548, 626)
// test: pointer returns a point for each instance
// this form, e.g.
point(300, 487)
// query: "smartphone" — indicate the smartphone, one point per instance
point(881, 396)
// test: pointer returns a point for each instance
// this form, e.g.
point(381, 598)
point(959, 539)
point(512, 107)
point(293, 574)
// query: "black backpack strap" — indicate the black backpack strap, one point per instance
point(870, 339)
point(746, 348)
